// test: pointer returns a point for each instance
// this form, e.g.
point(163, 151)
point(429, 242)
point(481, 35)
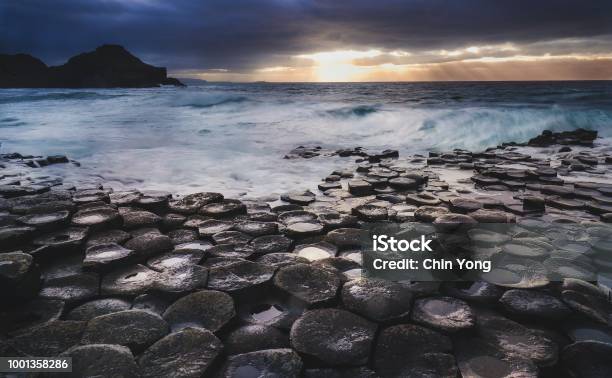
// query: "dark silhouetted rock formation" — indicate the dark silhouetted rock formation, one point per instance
point(109, 66)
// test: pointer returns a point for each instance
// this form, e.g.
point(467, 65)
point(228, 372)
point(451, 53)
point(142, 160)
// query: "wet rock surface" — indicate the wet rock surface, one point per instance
point(333, 336)
point(202, 285)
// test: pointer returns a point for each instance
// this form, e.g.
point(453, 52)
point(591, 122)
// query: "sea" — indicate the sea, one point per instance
point(232, 137)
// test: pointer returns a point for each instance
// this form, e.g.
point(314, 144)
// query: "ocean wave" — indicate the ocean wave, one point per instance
point(211, 101)
point(58, 96)
point(354, 111)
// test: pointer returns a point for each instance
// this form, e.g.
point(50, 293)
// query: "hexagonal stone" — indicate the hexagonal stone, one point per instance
point(135, 329)
point(301, 230)
point(107, 236)
point(189, 352)
point(71, 288)
point(239, 275)
point(206, 309)
point(48, 339)
point(19, 276)
point(67, 238)
point(182, 235)
point(403, 183)
point(224, 208)
point(308, 283)
point(360, 187)
point(476, 358)
point(132, 280)
point(136, 218)
point(379, 300)
point(371, 213)
point(336, 337)
point(103, 257)
point(429, 213)
point(190, 204)
point(96, 217)
point(228, 251)
point(264, 363)
point(271, 244)
point(316, 251)
point(589, 359)
point(443, 313)
point(97, 307)
point(534, 304)
point(254, 337)
point(124, 198)
point(515, 339)
point(231, 237)
point(208, 228)
point(47, 221)
point(402, 347)
point(278, 260)
point(102, 360)
point(297, 216)
point(182, 279)
point(347, 237)
point(257, 228)
point(149, 244)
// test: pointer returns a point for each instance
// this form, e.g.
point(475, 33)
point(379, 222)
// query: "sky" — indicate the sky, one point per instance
point(327, 40)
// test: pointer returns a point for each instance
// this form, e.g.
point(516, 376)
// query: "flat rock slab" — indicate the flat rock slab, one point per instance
point(135, 329)
point(103, 257)
point(224, 208)
point(239, 275)
point(135, 218)
point(101, 360)
point(476, 358)
point(271, 244)
point(515, 339)
point(206, 309)
point(347, 237)
point(308, 283)
point(96, 218)
point(208, 228)
point(71, 288)
point(534, 304)
point(187, 353)
point(98, 307)
point(301, 230)
point(446, 314)
point(264, 363)
point(67, 238)
point(278, 260)
point(589, 359)
point(49, 339)
point(149, 244)
point(46, 221)
point(398, 346)
point(336, 337)
point(255, 229)
point(379, 300)
point(107, 236)
point(254, 337)
point(132, 280)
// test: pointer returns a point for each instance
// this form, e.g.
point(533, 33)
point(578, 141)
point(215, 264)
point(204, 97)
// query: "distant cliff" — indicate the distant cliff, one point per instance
point(109, 66)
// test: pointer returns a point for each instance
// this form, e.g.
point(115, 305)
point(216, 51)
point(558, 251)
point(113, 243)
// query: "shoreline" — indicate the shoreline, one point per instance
point(222, 284)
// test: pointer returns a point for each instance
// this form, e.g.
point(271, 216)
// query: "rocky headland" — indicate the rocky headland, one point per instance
point(149, 284)
point(109, 66)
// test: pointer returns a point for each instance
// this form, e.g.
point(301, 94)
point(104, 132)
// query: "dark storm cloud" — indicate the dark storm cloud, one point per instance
point(241, 34)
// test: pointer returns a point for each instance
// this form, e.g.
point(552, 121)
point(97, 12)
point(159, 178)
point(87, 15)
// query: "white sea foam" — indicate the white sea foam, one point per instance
point(231, 138)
